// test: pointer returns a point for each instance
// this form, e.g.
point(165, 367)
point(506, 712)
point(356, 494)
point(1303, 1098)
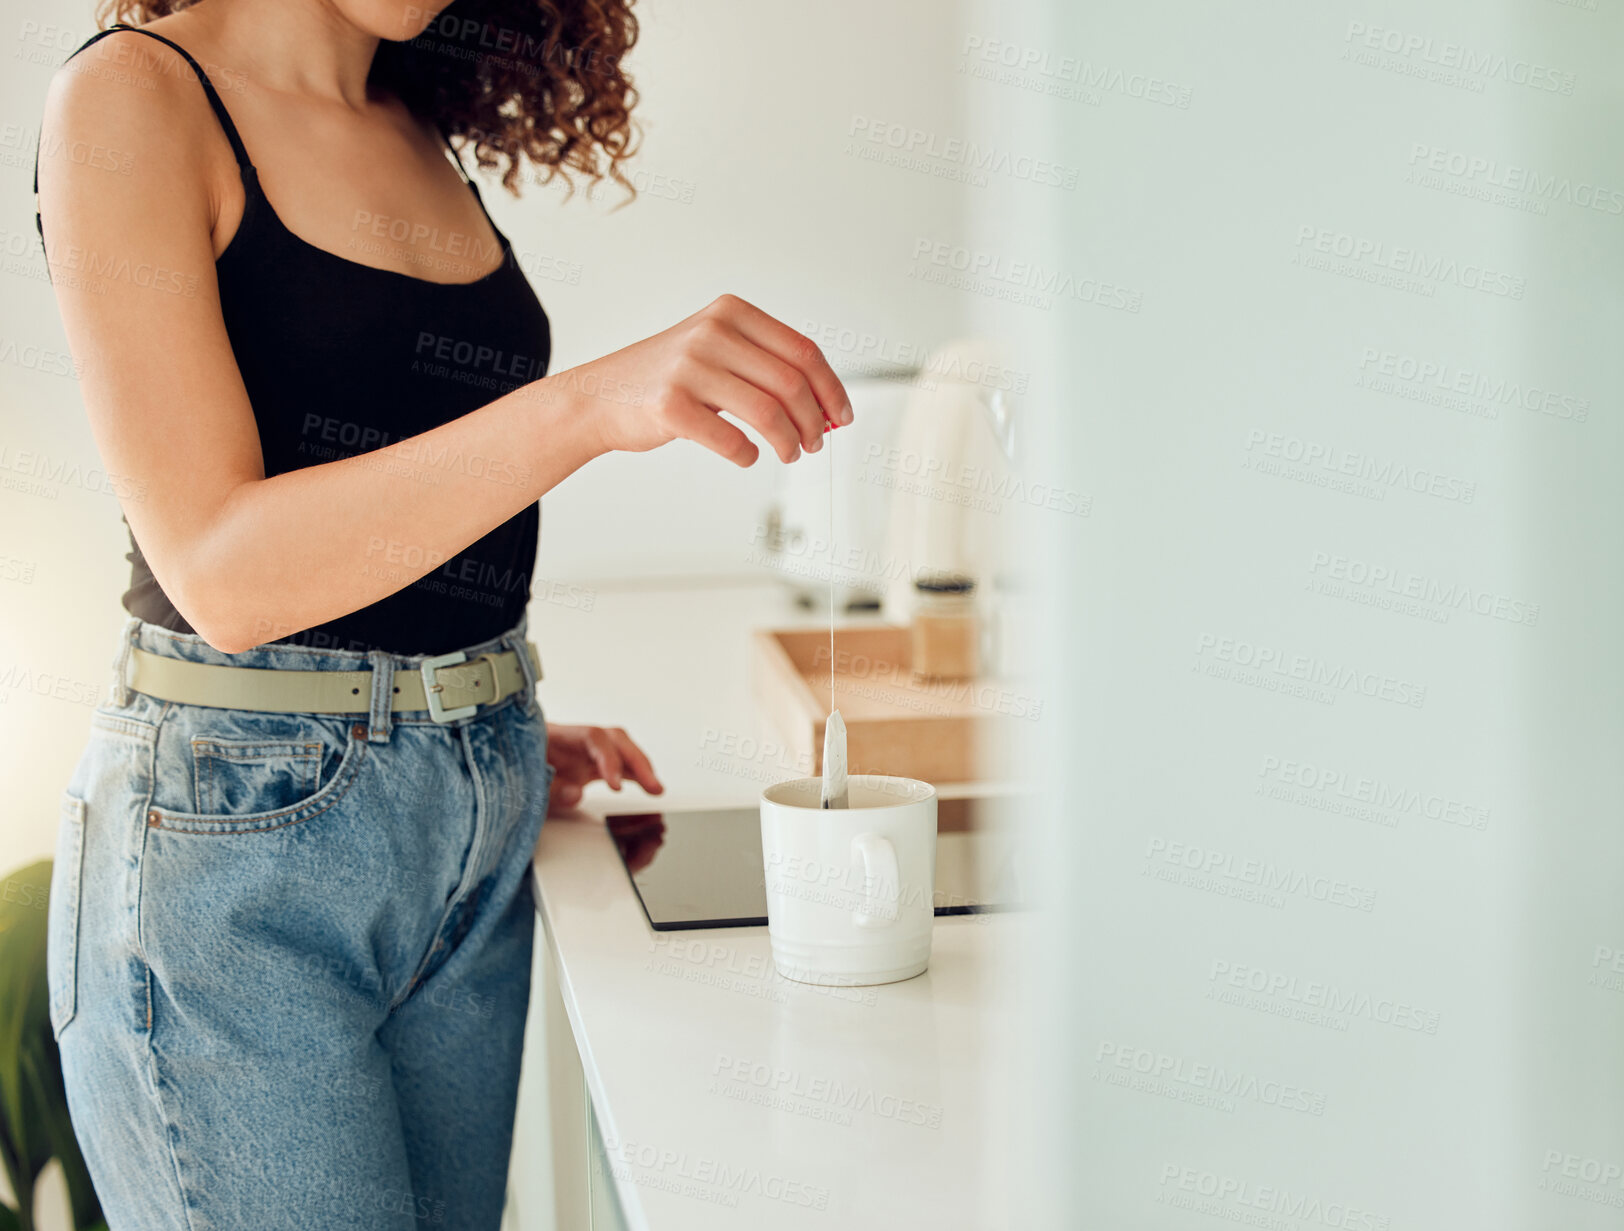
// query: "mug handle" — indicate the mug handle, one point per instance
point(881, 891)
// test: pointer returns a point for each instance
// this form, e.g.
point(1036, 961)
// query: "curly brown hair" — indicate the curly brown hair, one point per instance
point(537, 78)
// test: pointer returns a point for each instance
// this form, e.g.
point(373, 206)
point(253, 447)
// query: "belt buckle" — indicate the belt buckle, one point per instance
point(431, 691)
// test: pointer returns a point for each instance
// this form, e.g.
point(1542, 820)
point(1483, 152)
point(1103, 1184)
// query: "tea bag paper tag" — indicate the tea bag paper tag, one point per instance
point(834, 761)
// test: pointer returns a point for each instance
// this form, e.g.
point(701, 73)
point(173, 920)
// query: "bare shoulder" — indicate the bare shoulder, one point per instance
point(126, 116)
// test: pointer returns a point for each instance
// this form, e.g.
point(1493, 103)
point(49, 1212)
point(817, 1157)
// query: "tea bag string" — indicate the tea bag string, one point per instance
point(834, 729)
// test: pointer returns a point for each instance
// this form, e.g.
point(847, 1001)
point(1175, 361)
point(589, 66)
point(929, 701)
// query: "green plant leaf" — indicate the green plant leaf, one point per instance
point(34, 1122)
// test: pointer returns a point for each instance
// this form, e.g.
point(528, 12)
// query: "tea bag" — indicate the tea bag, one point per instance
point(834, 761)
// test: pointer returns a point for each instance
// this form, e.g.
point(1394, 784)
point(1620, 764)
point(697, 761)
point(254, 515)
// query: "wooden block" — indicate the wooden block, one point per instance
point(933, 730)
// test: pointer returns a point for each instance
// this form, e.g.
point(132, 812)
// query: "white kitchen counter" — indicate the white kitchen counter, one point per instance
point(725, 1095)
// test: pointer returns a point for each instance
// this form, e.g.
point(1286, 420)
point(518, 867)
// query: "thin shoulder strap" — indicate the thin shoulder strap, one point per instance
point(466, 178)
point(451, 149)
point(220, 111)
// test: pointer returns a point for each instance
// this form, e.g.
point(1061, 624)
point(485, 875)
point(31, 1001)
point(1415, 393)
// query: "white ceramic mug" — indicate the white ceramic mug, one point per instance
point(850, 891)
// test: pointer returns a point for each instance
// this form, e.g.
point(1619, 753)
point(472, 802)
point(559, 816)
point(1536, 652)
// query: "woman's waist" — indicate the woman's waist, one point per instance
point(278, 654)
point(277, 678)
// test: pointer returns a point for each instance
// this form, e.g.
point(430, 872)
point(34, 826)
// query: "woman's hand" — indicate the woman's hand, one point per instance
point(580, 755)
point(730, 356)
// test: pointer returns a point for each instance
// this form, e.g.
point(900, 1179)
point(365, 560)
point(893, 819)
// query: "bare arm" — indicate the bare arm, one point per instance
point(246, 558)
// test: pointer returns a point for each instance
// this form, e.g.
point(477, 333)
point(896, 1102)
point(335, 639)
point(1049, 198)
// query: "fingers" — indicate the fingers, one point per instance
point(605, 755)
point(795, 349)
point(783, 382)
point(582, 755)
point(738, 397)
point(567, 758)
point(692, 420)
point(636, 762)
point(616, 756)
point(737, 360)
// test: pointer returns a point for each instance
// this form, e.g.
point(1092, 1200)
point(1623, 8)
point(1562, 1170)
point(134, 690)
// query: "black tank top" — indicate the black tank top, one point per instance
point(339, 358)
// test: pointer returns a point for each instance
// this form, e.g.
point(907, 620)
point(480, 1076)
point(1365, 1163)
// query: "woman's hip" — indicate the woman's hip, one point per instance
point(221, 849)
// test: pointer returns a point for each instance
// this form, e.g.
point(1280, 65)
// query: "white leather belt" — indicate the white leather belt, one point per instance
point(449, 686)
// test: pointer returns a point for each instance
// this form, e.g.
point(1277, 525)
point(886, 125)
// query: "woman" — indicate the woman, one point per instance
point(290, 924)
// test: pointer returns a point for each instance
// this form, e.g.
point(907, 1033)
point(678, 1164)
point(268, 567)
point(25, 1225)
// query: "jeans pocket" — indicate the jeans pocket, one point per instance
point(241, 776)
point(245, 784)
point(62, 923)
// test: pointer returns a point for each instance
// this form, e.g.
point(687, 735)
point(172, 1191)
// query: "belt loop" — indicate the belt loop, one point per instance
point(119, 690)
point(521, 648)
point(380, 719)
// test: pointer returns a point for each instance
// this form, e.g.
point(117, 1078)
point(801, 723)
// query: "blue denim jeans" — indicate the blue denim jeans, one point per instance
point(289, 954)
